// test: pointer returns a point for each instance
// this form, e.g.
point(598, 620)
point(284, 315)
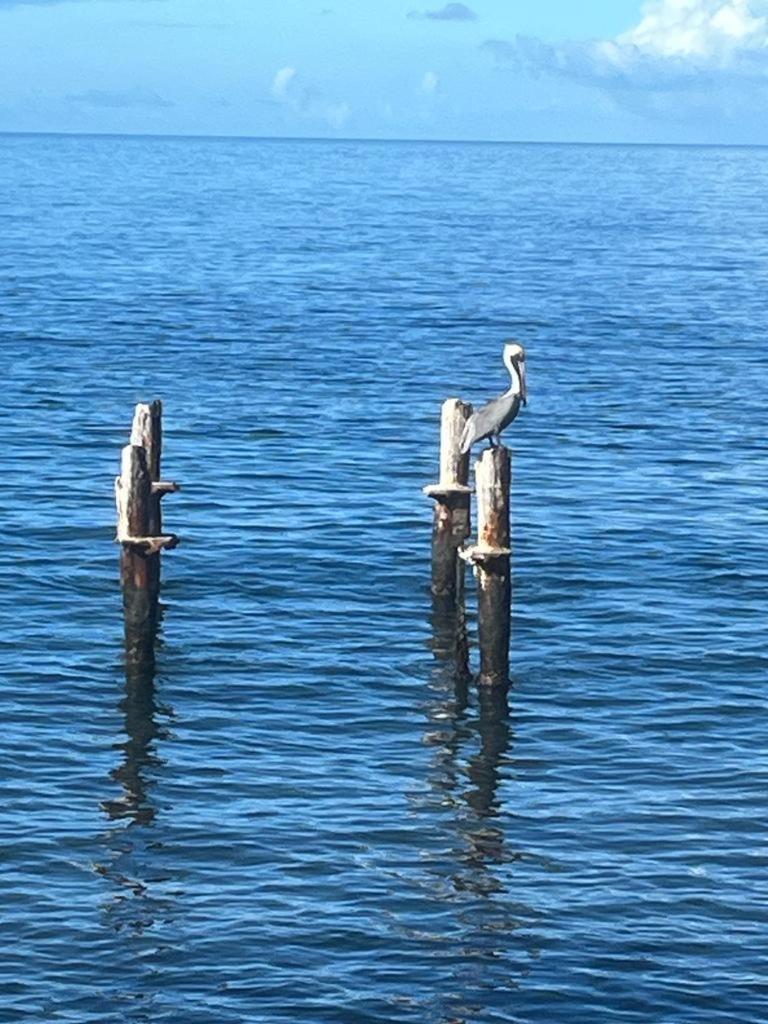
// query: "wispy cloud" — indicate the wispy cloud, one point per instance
point(429, 83)
point(307, 101)
point(281, 82)
point(451, 12)
point(132, 98)
point(677, 45)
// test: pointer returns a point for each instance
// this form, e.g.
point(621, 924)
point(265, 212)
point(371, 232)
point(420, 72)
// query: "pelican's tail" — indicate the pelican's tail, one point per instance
point(468, 435)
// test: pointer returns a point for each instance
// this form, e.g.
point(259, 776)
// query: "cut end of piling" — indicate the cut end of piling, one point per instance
point(480, 555)
point(149, 545)
point(446, 490)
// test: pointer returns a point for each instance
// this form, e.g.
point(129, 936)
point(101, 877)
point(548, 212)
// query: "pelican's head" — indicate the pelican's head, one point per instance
point(514, 360)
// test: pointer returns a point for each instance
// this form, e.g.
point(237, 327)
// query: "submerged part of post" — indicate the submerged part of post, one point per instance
point(451, 525)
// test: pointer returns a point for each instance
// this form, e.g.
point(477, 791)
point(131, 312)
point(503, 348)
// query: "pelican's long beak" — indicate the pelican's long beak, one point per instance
point(523, 386)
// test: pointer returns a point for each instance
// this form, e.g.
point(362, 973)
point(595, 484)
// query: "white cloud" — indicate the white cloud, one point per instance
point(282, 81)
point(429, 83)
point(676, 45)
point(698, 28)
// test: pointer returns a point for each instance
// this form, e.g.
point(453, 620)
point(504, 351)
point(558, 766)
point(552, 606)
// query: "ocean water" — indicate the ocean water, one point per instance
point(307, 814)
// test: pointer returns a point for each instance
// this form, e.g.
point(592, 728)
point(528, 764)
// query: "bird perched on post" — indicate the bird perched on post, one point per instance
point(491, 419)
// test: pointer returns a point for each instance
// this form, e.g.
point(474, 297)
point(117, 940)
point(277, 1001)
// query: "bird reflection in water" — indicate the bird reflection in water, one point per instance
point(132, 847)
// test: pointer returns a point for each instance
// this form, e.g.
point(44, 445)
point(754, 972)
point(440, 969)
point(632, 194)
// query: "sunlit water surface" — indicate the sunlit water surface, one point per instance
point(306, 816)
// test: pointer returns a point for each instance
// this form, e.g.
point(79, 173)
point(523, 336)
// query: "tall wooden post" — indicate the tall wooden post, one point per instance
point(452, 501)
point(491, 560)
point(138, 491)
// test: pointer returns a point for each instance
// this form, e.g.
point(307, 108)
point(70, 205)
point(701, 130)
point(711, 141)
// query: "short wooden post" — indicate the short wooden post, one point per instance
point(491, 560)
point(138, 491)
point(452, 500)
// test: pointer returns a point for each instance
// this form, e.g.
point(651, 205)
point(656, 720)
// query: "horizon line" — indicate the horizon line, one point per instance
point(362, 138)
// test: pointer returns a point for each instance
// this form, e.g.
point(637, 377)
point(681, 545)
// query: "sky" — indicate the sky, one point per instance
point(693, 71)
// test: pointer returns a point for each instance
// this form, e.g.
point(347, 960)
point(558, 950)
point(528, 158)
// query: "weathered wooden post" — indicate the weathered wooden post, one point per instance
point(147, 433)
point(491, 560)
point(452, 501)
point(138, 491)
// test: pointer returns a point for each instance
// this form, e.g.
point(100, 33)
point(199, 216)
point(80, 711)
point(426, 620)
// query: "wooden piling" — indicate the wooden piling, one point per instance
point(451, 525)
point(491, 560)
point(147, 433)
point(133, 490)
point(138, 491)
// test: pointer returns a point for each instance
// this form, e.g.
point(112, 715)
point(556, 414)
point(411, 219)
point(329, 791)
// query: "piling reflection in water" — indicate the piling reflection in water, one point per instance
point(139, 706)
point(471, 733)
point(485, 839)
point(132, 847)
point(472, 784)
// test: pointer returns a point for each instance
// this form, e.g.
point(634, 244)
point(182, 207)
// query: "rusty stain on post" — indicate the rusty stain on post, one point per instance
point(451, 525)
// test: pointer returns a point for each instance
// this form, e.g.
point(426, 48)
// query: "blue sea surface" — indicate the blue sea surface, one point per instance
point(307, 816)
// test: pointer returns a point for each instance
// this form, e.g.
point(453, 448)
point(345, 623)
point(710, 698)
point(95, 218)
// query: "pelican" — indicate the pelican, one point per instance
point(491, 419)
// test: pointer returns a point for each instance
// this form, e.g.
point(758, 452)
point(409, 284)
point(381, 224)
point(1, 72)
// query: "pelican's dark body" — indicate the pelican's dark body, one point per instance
point(490, 420)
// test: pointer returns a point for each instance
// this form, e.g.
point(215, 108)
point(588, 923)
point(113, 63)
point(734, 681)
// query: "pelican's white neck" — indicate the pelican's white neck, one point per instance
point(515, 384)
